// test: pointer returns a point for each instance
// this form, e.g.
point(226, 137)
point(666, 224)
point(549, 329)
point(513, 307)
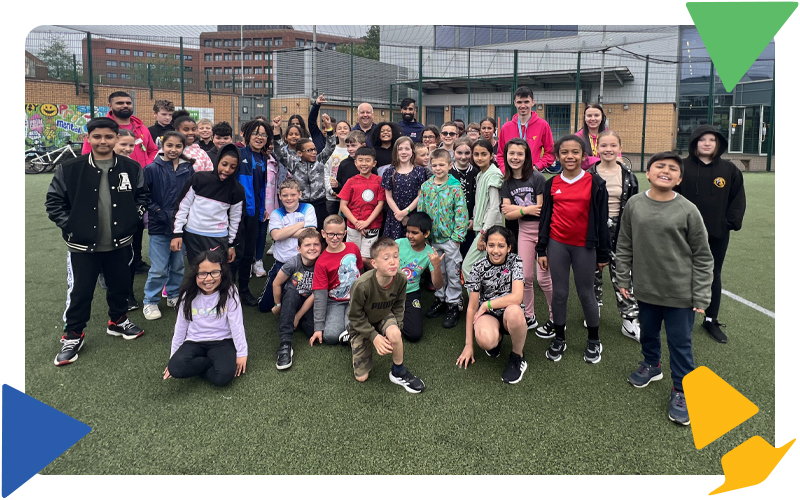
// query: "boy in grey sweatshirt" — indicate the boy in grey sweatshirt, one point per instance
point(663, 238)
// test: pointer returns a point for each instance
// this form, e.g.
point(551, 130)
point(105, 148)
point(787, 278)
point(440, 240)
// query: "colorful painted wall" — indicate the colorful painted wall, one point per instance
point(52, 125)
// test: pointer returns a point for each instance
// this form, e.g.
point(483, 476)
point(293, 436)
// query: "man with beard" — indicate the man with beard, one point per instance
point(410, 126)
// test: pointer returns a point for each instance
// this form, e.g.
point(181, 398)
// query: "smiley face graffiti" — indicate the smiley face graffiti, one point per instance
point(48, 110)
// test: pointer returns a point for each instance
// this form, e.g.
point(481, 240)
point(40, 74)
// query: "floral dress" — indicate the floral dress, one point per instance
point(404, 188)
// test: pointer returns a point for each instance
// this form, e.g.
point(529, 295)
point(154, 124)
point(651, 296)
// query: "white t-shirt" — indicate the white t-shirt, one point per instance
point(279, 218)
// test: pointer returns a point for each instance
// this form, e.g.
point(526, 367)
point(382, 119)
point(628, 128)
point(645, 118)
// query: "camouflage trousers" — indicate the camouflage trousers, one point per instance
point(362, 346)
point(628, 309)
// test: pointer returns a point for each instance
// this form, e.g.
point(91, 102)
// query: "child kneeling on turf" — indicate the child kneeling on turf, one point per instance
point(209, 338)
point(337, 268)
point(415, 257)
point(294, 303)
point(377, 306)
point(497, 277)
point(660, 226)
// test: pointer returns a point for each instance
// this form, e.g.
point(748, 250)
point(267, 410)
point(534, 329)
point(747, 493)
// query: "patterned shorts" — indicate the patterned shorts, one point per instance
point(362, 346)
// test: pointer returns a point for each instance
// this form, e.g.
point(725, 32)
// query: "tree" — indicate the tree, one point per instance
point(58, 59)
point(370, 48)
point(164, 72)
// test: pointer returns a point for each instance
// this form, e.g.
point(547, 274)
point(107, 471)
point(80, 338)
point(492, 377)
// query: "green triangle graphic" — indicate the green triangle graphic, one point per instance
point(735, 33)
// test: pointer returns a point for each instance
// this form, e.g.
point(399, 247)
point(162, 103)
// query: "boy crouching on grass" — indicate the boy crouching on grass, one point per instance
point(377, 304)
point(660, 226)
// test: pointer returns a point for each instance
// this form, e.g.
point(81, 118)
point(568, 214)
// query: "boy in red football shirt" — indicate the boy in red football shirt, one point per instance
point(336, 269)
point(362, 203)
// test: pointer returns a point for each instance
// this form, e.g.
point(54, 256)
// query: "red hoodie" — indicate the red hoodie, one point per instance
point(144, 151)
point(537, 133)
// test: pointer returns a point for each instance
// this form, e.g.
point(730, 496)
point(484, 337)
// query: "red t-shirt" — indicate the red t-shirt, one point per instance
point(570, 221)
point(362, 195)
point(336, 272)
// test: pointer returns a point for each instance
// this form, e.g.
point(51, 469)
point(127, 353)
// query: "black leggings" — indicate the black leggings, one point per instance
point(412, 319)
point(215, 361)
point(719, 247)
point(583, 261)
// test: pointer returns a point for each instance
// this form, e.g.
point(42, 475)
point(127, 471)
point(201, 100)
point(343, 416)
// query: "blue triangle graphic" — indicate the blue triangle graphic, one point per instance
point(34, 435)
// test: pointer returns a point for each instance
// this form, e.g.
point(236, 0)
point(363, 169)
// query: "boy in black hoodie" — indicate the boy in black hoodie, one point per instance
point(162, 112)
point(98, 201)
point(209, 209)
point(716, 187)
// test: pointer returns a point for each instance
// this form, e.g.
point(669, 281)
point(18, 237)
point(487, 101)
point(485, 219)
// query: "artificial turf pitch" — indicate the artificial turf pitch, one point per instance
point(562, 418)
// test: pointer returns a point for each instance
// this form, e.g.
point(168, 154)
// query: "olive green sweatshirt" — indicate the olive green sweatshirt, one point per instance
point(666, 244)
point(370, 303)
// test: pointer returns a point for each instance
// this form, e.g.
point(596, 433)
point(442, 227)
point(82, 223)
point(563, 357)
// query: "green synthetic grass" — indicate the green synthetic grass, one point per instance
point(562, 418)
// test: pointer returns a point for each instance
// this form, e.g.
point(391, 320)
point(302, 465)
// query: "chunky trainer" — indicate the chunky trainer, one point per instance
point(515, 368)
point(547, 330)
point(436, 309)
point(451, 317)
point(285, 353)
point(344, 337)
point(408, 381)
point(677, 408)
point(714, 328)
point(630, 328)
point(152, 312)
point(172, 302)
point(69, 350)
point(556, 349)
point(125, 329)
point(592, 352)
point(645, 374)
point(495, 351)
point(531, 322)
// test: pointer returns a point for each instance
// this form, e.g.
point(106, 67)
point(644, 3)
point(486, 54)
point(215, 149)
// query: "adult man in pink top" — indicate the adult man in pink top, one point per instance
point(144, 150)
point(529, 126)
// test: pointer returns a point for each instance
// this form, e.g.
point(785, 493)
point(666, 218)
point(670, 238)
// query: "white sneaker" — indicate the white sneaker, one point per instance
point(171, 302)
point(344, 337)
point(269, 252)
point(630, 328)
point(258, 269)
point(151, 311)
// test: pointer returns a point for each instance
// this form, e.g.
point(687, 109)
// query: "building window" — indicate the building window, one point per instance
point(163, 55)
point(248, 43)
point(320, 45)
point(299, 42)
point(151, 54)
point(125, 76)
point(248, 71)
point(217, 71)
point(189, 80)
point(228, 56)
point(138, 65)
point(331, 46)
point(138, 53)
point(248, 85)
point(187, 58)
point(228, 85)
point(238, 85)
point(208, 57)
point(162, 66)
point(111, 51)
point(138, 77)
point(228, 71)
point(187, 69)
point(268, 57)
point(217, 85)
point(217, 43)
point(111, 63)
point(248, 57)
point(237, 43)
point(257, 42)
point(237, 71)
point(207, 43)
point(258, 56)
point(237, 56)
point(227, 43)
point(217, 57)
point(258, 71)
point(258, 85)
point(124, 64)
point(177, 56)
point(277, 41)
point(124, 52)
point(111, 75)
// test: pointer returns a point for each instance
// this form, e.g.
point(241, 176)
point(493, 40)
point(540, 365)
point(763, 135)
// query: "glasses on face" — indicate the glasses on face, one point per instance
point(309, 150)
point(214, 274)
point(335, 235)
point(449, 134)
point(428, 138)
point(262, 136)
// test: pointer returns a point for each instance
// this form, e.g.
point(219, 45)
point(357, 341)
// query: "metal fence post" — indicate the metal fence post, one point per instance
point(469, 88)
point(577, 91)
point(91, 75)
point(419, 83)
point(711, 95)
point(208, 85)
point(514, 86)
point(150, 80)
point(352, 113)
point(391, 102)
point(644, 112)
point(75, 74)
point(771, 123)
point(182, 94)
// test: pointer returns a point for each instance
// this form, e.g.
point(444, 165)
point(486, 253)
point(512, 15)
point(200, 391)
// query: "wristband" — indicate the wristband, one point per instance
point(489, 304)
point(521, 212)
point(277, 304)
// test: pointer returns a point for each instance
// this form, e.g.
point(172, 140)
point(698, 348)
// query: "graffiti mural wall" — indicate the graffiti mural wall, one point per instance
point(52, 125)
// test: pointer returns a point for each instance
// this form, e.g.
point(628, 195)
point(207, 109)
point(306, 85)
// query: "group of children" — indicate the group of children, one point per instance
point(351, 272)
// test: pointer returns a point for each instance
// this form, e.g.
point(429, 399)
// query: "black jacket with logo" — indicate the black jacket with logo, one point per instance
point(72, 200)
point(630, 187)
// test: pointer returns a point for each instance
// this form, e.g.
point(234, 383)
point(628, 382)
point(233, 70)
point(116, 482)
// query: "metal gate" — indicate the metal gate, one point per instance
point(558, 117)
point(250, 107)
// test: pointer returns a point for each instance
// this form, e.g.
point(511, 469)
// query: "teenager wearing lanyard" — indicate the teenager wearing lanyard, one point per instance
point(527, 125)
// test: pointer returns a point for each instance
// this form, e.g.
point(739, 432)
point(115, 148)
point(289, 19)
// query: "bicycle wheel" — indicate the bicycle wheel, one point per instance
point(35, 165)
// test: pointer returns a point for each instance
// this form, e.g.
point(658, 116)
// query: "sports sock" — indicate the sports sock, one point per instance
point(72, 335)
point(397, 369)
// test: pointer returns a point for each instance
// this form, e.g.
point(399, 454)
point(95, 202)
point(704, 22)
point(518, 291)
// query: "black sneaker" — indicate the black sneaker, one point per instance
point(714, 328)
point(592, 352)
point(132, 303)
point(142, 267)
point(69, 350)
point(247, 298)
point(125, 329)
point(285, 353)
point(436, 309)
point(547, 330)
point(409, 382)
point(515, 368)
point(344, 337)
point(451, 317)
point(531, 322)
point(556, 349)
point(495, 351)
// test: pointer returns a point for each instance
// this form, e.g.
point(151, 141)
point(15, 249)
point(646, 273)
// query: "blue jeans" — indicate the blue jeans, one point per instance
point(261, 240)
point(166, 267)
point(678, 323)
point(267, 299)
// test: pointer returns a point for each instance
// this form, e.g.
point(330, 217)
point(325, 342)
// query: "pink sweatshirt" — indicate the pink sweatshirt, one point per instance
point(144, 150)
point(206, 326)
point(536, 132)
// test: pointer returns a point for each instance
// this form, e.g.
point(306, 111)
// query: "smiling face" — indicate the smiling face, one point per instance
point(524, 106)
point(429, 139)
point(404, 152)
point(334, 236)
point(571, 155)
point(364, 164)
point(497, 248)
point(259, 138)
point(416, 237)
point(421, 156)
point(173, 148)
point(387, 262)
point(592, 117)
point(342, 129)
point(102, 141)
point(441, 169)
point(664, 175)
point(222, 140)
point(449, 135)
point(290, 197)
point(124, 146)
point(608, 147)
point(206, 280)
point(189, 130)
point(473, 134)
point(515, 158)
point(463, 155)
point(292, 136)
point(204, 131)
point(227, 166)
point(386, 134)
point(310, 248)
point(308, 152)
point(365, 116)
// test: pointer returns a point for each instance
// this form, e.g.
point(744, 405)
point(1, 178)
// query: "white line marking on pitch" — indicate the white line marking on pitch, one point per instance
point(748, 303)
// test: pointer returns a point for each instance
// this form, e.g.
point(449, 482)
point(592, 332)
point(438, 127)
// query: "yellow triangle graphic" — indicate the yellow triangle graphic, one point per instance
point(715, 407)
